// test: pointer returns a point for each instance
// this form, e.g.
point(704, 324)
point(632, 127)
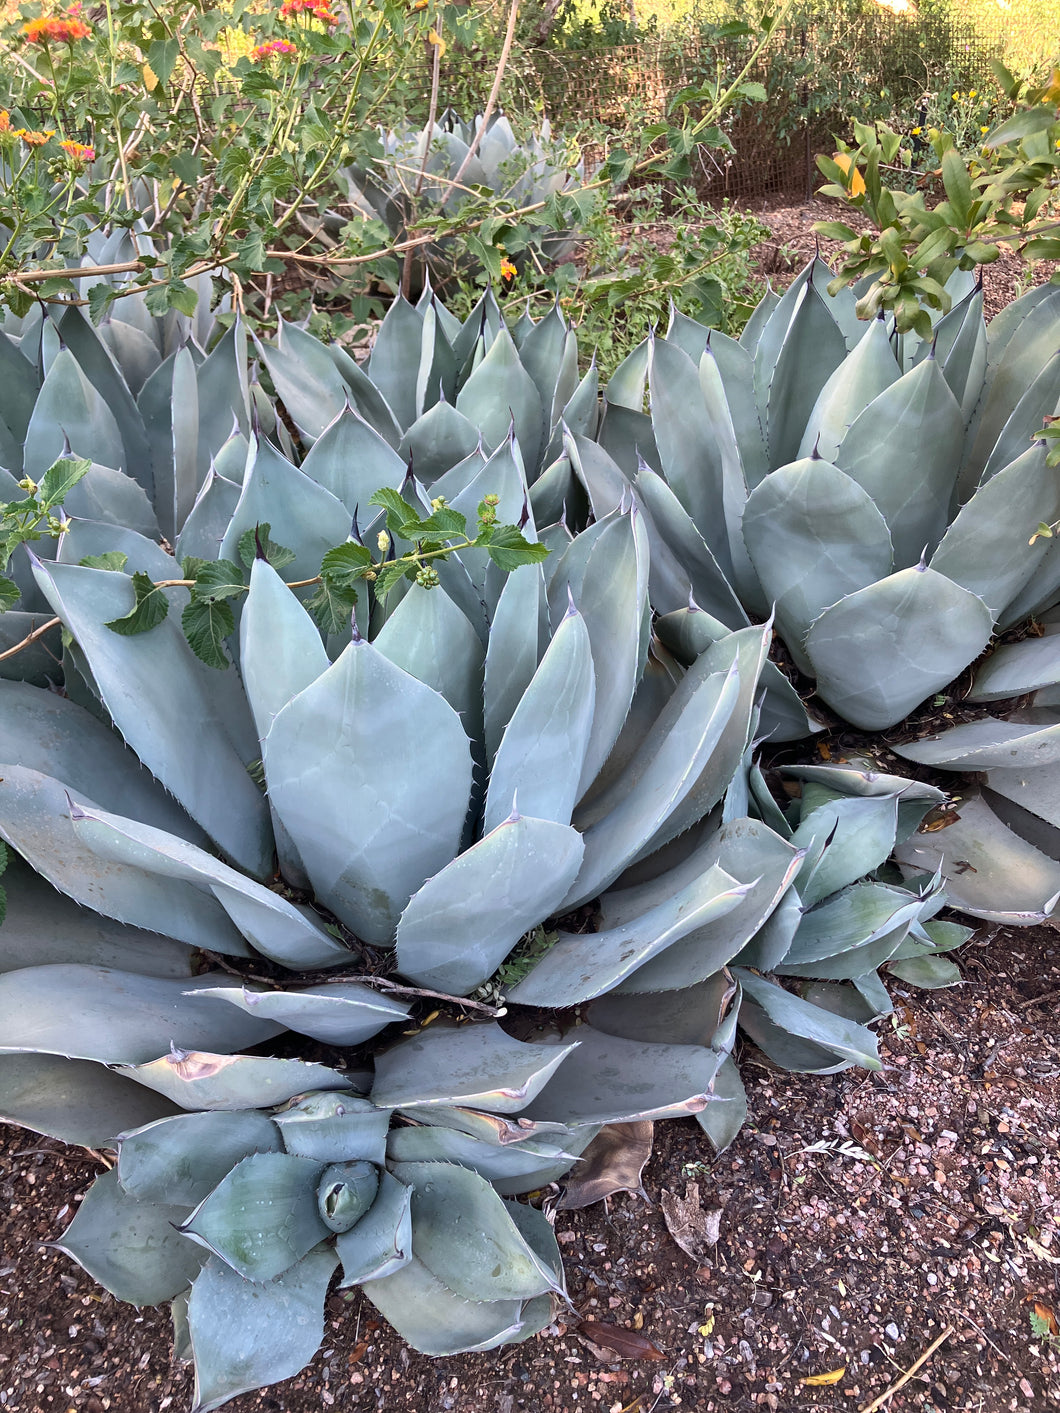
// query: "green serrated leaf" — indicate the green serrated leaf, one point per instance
point(398, 510)
point(218, 579)
point(279, 556)
point(10, 594)
point(207, 623)
point(332, 606)
point(445, 522)
point(509, 549)
point(389, 574)
point(345, 564)
point(60, 479)
point(148, 611)
point(110, 559)
point(100, 298)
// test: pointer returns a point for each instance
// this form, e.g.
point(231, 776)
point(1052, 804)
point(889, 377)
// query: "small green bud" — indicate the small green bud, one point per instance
point(427, 577)
point(382, 540)
point(439, 503)
point(28, 485)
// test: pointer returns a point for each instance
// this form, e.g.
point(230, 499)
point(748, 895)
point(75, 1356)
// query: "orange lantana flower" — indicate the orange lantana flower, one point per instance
point(78, 152)
point(316, 9)
point(274, 46)
point(32, 137)
point(63, 30)
point(508, 270)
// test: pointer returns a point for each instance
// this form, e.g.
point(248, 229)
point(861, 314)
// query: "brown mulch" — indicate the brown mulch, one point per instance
point(861, 1215)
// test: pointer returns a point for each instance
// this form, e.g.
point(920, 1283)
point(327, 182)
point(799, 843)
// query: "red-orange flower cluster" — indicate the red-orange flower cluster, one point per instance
point(58, 31)
point(317, 9)
point(274, 46)
point(78, 152)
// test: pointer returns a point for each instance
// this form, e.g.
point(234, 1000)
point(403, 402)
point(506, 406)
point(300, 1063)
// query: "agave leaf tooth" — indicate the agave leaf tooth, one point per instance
point(866, 372)
point(990, 871)
point(1039, 402)
point(542, 751)
point(628, 438)
point(609, 1079)
point(246, 1334)
point(369, 836)
point(276, 927)
point(477, 1065)
point(35, 819)
point(280, 650)
point(449, 1203)
point(131, 1247)
point(48, 733)
point(918, 421)
point(394, 358)
point(580, 966)
point(352, 461)
point(880, 651)
point(431, 639)
point(381, 1242)
point(844, 840)
point(262, 1216)
point(98, 366)
point(209, 518)
point(499, 390)
point(812, 349)
point(439, 439)
point(515, 647)
point(342, 1013)
point(42, 926)
point(434, 1321)
point(628, 383)
point(989, 744)
point(1017, 668)
point(750, 853)
point(671, 533)
point(69, 409)
point(115, 1017)
point(800, 1036)
point(813, 535)
point(170, 713)
point(181, 1159)
point(74, 1101)
point(508, 881)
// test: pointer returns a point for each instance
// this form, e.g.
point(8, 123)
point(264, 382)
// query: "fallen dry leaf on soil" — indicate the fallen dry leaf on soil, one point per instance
point(1047, 1317)
point(694, 1229)
point(626, 1343)
point(613, 1162)
point(820, 1380)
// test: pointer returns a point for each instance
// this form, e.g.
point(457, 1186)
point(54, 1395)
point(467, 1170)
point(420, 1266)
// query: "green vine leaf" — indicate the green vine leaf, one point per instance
point(109, 559)
point(218, 579)
point(60, 479)
point(148, 611)
point(279, 556)
point(207, 623)
point(332, 606)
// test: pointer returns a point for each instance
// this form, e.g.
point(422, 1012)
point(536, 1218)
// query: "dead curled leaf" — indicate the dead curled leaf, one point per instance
point(820, 1380)
point(613, 1162)
point(628, 1344)
point(694, 1229)
point(1047, 1317)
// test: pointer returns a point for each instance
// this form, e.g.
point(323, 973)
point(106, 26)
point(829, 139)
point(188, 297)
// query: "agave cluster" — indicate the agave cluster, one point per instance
point(523, 174)
point(459, 765)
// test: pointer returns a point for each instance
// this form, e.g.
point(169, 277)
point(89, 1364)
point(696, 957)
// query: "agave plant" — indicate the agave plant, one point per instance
point(414, 178)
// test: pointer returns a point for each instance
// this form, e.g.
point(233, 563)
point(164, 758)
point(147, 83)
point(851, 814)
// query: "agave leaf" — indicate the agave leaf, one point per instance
point(1017, 668)
point(437, 373)
point(277, 928)
point(542, 752)
point(431, 639)
point(93, 1013)
point(113, 498)
point(580, 416)
point(262, 1217)
point(960, 344)
point(522, 1167)
point(130, 1247)
point(246, 1334)
point(990, 871)
point(74, 1101)
point(988, 745)
point(628, 439)
point(582, 965)
point(223, 393)
point(985, 548)
point(800, 1036)
point(437, 441)
point(381, 1242)
point(21, 390)
point(395, 353)
point(814, 535)
point(813, 348)
point(334, 1127)
point(860, 777)
point(545, 353)
point(851, 933)
point(369, 835)
point(479, 1066)
point(181, 1159)
point(867, 372)
point(448, 1203)
point(1040, 401)
point(198, 1080)
point(352, 461)
point(498, 391)
point(134, 351)
point(464, 921)
point(752, 854)
point(81, 538)
point(209, 518)
point(68, 409)
point(514, 651)
point(690, 1016)
point(722, 1120)
point(167, 710)
point(433, 1320)
point(345, 1013)
point(846, 999)
point(628, 382)
point(769, 324)
point(41, 926)
point(843, 840)
point(280, 651)
point(308, 381)
point(604, 482)
point(933, 934)
point(929, 973)
point(879, 652)
point(770, 944)
point(612, 1080)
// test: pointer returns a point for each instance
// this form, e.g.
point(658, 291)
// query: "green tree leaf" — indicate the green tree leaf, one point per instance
point(345, 564)
point(207, 623)
point(150, 608)
point(10, 594)
point(218, 579)
point(390, 573)
point(61, 478)
point(110, 559)
point(279, 556)
point(399, 512)
point(332, 606)
point(508, 548)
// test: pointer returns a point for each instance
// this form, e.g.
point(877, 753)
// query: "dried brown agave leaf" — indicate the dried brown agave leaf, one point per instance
point(628, 1344)
point(694, 1228)
point(613, 1162)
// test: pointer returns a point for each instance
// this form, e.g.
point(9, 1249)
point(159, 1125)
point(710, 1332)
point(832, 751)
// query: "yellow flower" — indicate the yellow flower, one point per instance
point(982, 129)
point(32, 138)
point(973, 93)
point(955, 96)
point(508, 270)
point(916, 131)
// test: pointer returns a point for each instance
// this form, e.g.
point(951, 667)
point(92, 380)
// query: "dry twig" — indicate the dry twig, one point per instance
point(901, 1382)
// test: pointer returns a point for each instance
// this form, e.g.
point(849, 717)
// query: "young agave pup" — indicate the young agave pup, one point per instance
point(200, 973)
